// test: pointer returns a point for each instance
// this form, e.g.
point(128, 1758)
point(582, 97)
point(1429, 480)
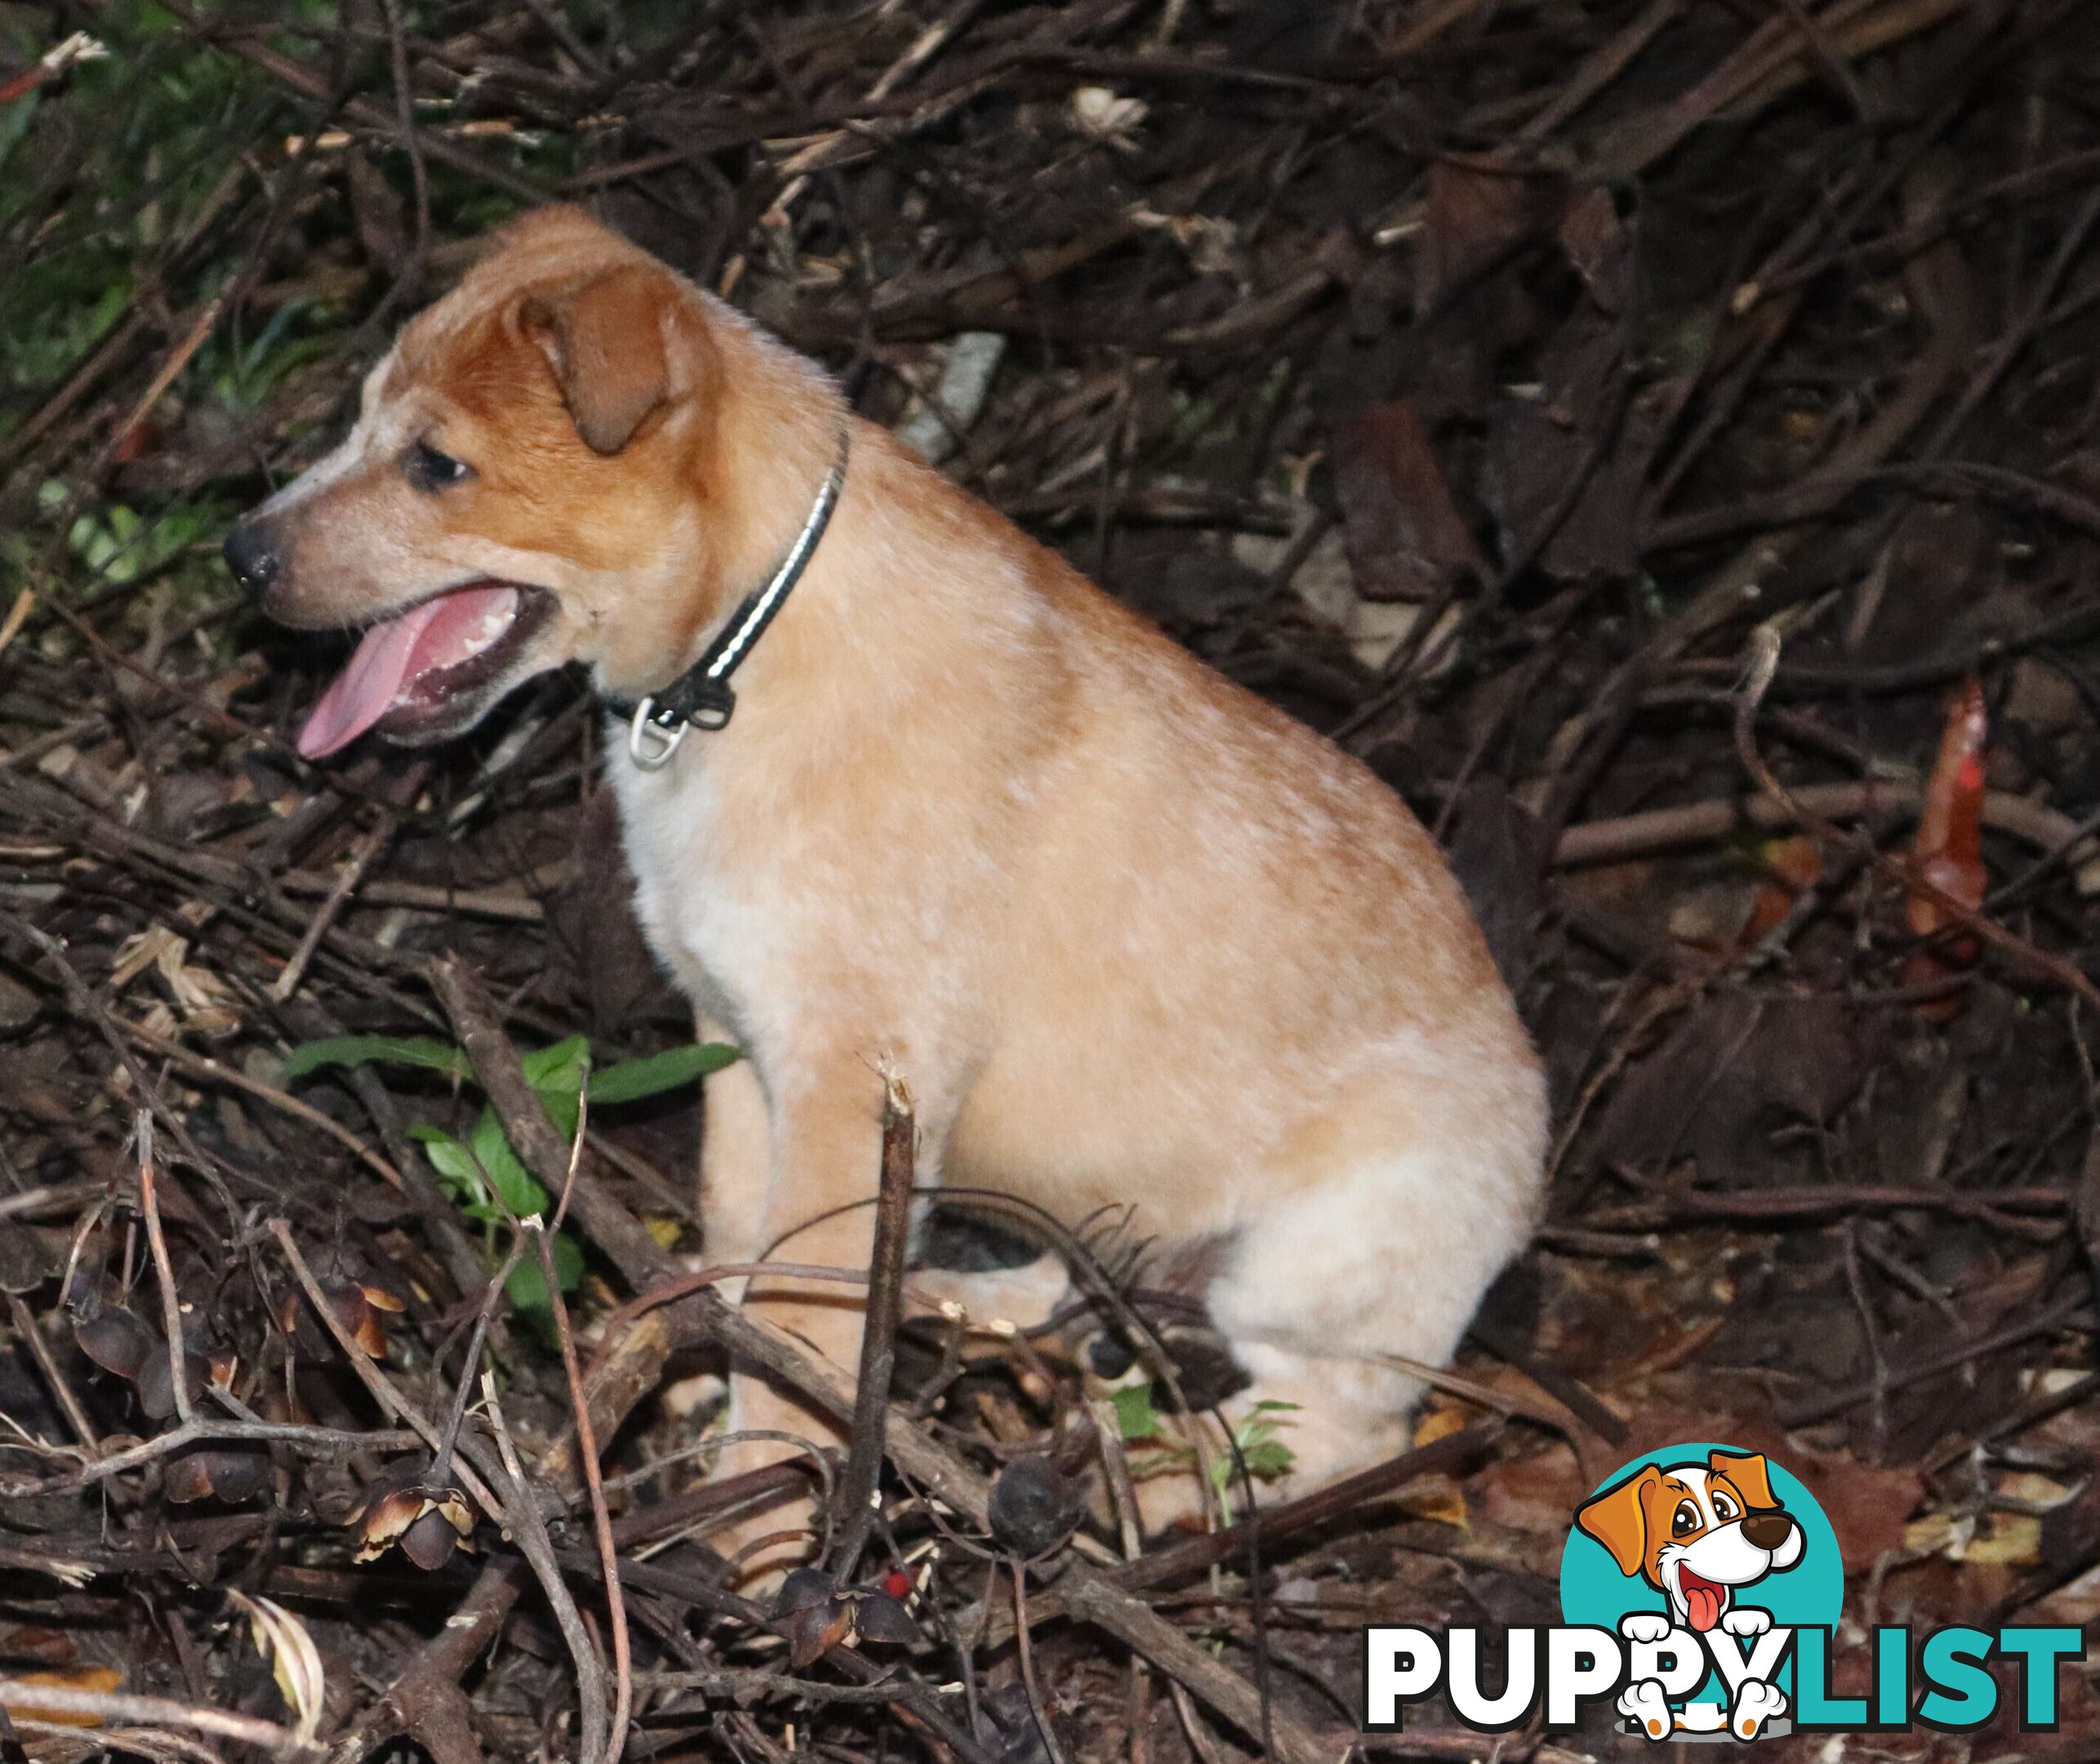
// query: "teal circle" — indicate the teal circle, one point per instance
point(1809, 1595)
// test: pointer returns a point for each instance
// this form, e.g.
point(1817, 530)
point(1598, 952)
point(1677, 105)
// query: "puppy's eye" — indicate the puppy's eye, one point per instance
point(1724, 1509)
point(1685, 1521)
point(427, 469)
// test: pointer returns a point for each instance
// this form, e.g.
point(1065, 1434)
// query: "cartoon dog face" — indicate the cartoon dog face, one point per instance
point(1695, 1531)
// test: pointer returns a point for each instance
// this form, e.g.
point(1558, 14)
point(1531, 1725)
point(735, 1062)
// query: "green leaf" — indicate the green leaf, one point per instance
point(1134, 1413)
point(1268, 1459)
point(454, 1164)
point(527, 1287)
point(556, 1074)
point(630, 1081)
point(518, 1186)
point(558, 1067)
point(359, 1050)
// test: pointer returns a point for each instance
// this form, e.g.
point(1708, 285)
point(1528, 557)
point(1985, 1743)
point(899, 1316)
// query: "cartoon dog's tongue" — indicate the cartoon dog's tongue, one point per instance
point(441, 633)
point(1703, 1600)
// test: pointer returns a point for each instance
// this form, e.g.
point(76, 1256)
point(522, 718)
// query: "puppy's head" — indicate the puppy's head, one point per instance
point(525, 484)
point(1695, 1531)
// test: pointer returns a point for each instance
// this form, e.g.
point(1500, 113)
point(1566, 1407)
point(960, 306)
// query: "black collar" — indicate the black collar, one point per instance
point(700, 698)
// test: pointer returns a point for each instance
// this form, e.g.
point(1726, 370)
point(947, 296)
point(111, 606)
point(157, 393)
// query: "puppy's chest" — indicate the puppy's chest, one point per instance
point(712, 911)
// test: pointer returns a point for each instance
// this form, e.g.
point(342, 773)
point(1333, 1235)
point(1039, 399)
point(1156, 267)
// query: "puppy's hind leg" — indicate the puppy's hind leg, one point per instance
point(1388, 1260)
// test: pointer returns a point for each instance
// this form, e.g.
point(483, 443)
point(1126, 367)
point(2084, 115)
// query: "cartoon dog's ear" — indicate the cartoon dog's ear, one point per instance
point(1617, 1519)
point(1749, 1472)
point(605, 340)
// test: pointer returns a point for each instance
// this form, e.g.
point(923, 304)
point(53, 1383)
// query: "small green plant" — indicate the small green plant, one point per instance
point(484, 1173)
point(1265, 1454)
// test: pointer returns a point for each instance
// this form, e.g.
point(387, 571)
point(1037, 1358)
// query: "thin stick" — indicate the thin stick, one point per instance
point(171, 1306)
point(202, 1065)
point(1036, 1706)
point(294, 1433)
point(1656, 830)
point(382, 1390)
point(31, 1338)
point(442, 1464)
point(616, 1600)
point(530, 1529)
point(858, 1490)
point(526, 1122)
point(112, 1705)
point(324, 916)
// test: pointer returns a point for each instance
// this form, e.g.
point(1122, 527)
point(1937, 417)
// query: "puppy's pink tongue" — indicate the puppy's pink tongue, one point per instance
point(1703, 1604)
point(442, 632)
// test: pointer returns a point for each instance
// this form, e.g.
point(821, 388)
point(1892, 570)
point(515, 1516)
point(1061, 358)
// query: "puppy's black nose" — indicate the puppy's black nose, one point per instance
point(251, 556)
point(1768, 1530)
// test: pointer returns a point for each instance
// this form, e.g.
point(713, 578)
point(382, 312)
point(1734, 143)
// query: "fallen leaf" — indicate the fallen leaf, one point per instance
point(2006, 1539)
point(1793, 867)
point(283, 1640)
point(1596, 246)
point(1405, 537)
point(1469, 219)
point(1948, 849)
point(95, 1678)
point(1439, 1499)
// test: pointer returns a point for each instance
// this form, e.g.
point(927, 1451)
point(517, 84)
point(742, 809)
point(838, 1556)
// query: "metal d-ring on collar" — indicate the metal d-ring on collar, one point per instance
point(700, 698)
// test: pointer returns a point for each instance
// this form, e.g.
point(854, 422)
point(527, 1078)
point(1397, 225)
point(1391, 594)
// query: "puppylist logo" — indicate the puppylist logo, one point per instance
point(1699, 1590)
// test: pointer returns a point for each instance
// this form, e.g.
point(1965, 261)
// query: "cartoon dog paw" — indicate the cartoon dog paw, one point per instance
point(1755, 1703)
point(1746, 1620)
point(1645, 1707)
point(1644, 1626)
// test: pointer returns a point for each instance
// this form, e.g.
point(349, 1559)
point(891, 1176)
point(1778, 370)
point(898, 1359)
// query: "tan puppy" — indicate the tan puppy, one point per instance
point(1132, 937)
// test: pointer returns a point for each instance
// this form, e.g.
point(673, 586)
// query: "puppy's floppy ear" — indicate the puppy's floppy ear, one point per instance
point(1748, 1472)
point(1618, 1519)
point(606, 339)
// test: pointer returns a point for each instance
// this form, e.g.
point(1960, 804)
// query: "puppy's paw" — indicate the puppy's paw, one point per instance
point(1644, 1626)
point(1755, 1703)
point(1746, 1620)
point(1646, 1708)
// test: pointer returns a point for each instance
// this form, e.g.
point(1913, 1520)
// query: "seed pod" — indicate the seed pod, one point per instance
point(205, 1474)
point(815, 1630)
point(402, 1506)
point(360, 1321)
point(156, 1380)
point(116, 1341)
point(803, 1589)
point(879, 1618)
point(1035, 1506)
point(431, 1541)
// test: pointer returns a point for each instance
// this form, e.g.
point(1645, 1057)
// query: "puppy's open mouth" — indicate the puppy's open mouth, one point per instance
point(1704, 1599)
point(408, 666)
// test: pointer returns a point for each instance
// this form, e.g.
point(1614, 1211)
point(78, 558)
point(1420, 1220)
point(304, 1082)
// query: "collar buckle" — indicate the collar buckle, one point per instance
point(651, 743)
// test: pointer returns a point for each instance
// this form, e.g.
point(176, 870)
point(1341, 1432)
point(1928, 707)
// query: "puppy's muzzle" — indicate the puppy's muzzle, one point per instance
point(252, 555)
point(1769, 1531)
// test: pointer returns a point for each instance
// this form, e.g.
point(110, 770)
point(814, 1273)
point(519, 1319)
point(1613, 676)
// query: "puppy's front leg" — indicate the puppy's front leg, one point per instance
point(826, 1161)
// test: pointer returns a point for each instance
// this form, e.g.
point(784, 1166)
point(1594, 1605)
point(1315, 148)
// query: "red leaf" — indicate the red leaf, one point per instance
point(1949, 847)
